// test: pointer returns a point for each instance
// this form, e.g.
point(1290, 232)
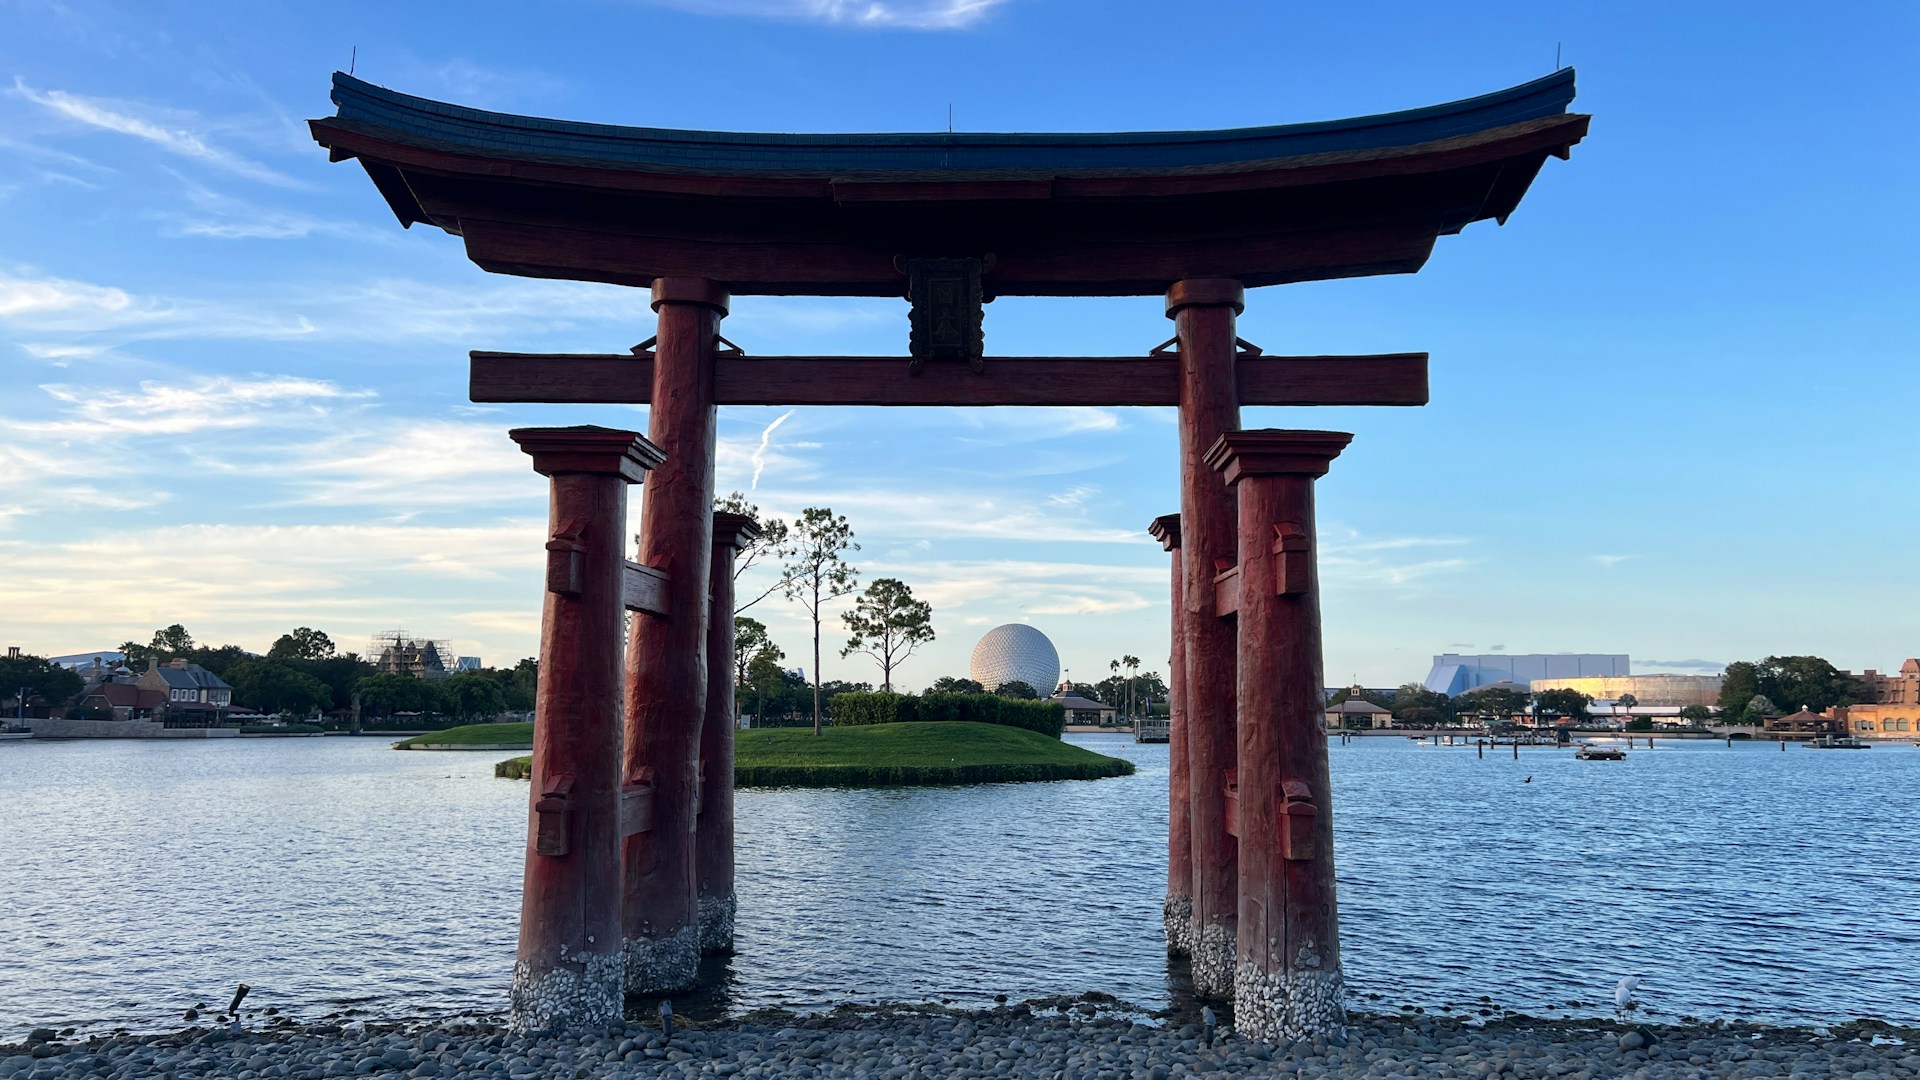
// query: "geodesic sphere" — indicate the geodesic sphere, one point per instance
point(1015, 652)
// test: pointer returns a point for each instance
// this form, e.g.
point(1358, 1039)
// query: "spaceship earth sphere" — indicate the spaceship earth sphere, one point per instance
point(1015, 652)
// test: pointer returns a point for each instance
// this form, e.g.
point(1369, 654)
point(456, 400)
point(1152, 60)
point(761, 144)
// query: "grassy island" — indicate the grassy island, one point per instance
point(473, 737)
point(888, 755)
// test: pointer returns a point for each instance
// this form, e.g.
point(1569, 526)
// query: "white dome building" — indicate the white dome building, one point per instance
point(1015, 652)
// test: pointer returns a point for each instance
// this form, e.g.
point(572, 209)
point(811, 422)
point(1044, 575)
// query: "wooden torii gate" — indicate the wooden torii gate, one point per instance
point(629, 857)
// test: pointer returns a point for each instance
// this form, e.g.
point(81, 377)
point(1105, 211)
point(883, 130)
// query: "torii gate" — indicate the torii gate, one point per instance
point(629, 857)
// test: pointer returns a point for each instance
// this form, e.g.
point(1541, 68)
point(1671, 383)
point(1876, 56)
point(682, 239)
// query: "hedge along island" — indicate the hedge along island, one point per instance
point(888, 740)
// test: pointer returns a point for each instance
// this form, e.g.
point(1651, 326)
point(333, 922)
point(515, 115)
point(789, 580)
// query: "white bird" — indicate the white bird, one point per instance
point(1623, 994)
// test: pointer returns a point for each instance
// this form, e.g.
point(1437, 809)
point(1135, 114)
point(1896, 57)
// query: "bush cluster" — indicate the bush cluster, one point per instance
point(856, 708)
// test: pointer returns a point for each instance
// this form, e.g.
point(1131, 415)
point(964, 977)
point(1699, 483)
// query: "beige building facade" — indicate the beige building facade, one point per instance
point(1681, 690)
point(1894, 722)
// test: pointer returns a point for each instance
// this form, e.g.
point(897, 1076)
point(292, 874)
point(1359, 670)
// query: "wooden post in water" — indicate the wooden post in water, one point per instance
point(713, 853)
point(1177, 912)
point(1287, 980)
point(567, 974)
point(666, 658)
point(1203, 311)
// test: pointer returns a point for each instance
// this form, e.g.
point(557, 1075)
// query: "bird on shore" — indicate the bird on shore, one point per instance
point(1623, 1002)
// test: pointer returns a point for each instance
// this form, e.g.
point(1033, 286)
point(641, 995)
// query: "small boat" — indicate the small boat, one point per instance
point(1838, 742)
point(1600, 753)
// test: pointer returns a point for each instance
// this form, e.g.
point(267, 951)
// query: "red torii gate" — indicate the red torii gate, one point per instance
point(629, 871)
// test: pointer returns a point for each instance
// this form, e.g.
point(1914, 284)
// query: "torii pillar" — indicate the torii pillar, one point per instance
point(1287, 981)
point(1203, 311)
point(713, 856)
point(567, 974)
point(1177, 913)
point(667, 656)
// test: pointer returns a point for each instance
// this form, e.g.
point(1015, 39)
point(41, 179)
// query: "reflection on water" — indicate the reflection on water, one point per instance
point(332, 873)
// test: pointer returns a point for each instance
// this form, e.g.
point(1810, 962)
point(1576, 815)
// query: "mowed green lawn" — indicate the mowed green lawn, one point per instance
point(887, 755)
point(475, 735)
point(931, 753)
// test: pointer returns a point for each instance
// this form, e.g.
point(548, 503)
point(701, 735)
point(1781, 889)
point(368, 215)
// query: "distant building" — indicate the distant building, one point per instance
point(468, 663)
point(75, 661)
point(1014, 652)
point(396, 652)
point(1677, 690)
point(1901, 689)
point(1356, 711)
point(1807, 722)
point(1457, 673)
point(194, 696)
point(1083, 710)
point(121, 701)
point(1892, 721)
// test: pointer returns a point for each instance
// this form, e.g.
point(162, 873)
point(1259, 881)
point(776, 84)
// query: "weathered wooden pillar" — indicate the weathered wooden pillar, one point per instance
point(568, 971)
point(1177, 913)
point(1203, 311)
point(666, 658)
point(1287, 982)
point(713, 846)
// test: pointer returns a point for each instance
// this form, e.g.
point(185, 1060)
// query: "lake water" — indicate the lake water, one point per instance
point(332, 874)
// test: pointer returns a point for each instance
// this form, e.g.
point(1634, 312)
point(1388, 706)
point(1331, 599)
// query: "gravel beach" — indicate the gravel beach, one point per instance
point(1069, 1041)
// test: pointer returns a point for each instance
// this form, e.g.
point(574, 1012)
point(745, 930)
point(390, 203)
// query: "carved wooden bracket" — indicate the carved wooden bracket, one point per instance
point(1293, 570)
point(553, 812)
point(1297, 814)
point(564, 553)
point(636, 805)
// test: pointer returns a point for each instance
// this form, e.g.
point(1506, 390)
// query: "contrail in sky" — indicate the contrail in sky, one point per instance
point(760, 454)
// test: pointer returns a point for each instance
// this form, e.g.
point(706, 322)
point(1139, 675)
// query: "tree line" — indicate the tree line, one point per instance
point(303, 673)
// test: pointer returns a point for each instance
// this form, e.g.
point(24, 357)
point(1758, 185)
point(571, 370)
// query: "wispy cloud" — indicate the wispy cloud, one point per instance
point(162, 408)
point(1697, 665)
point(1348, 557)
point(159, 127)
point(219, 216)
point(1611, 561)
point(43, 305)
point(900, 14)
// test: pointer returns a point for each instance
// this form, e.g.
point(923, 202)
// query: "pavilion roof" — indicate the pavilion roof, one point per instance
point(425, 122)
point(1119, 213)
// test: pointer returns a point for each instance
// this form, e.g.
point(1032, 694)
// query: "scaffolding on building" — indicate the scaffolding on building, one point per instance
point(397, 652)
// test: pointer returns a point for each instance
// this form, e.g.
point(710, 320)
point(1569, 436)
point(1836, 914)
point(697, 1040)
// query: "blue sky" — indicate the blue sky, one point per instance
point(1673, 398)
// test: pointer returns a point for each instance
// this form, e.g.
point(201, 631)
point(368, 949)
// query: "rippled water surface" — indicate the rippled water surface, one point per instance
point(141, 878)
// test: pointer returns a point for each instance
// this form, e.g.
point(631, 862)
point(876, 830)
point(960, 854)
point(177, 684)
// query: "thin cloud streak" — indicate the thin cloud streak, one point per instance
point(121, 118)
point(760, 452)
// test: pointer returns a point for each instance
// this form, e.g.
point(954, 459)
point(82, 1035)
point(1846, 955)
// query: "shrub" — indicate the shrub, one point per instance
point(1045, 717)
point(860, 707)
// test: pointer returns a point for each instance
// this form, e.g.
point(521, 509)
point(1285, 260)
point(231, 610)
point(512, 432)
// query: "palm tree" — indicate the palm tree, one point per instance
point(1133, 669)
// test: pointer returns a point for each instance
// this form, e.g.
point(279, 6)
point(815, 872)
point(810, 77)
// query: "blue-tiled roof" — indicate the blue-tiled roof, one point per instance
point(415, 119)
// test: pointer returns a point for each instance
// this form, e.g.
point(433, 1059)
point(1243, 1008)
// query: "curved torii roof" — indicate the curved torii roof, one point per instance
point(1061, 214)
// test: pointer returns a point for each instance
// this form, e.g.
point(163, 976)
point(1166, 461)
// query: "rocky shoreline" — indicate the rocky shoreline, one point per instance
point(1084, 1039)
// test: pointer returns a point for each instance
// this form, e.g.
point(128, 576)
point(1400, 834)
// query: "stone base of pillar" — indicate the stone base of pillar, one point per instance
point(1213, 961)
point(1282, 1006)
point(716, 925)
point(658, 966)
point(567, 998)
point(1176, 915)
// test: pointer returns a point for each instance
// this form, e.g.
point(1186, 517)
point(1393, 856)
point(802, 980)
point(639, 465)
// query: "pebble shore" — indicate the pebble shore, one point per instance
point(1083, 1040)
